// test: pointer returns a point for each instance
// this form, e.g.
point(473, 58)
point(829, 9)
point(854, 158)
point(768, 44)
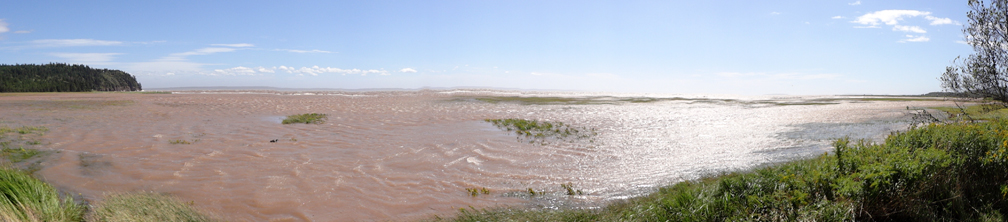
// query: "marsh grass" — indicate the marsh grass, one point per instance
point(146, 207)
point(951, 172)
point(538, 132)
point(307, 118)
point(24, 198)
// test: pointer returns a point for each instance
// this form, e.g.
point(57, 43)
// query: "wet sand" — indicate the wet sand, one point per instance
point(412, 154)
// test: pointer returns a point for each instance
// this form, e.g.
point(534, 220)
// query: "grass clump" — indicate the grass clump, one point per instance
point(24, 198)
point(937, 172)
point(538, 131)
point(307, 118)
point(181, 141)
point(146, 207)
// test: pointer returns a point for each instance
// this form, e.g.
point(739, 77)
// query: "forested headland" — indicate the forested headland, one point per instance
point(61, 77)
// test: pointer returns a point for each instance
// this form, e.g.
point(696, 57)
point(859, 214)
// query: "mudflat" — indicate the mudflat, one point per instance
point(412, 154)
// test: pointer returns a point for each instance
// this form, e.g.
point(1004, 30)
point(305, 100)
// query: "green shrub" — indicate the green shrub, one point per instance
point(307, 118)
point(24, 198)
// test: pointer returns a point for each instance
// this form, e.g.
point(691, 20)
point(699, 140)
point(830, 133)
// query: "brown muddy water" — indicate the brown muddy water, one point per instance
point(411, 154)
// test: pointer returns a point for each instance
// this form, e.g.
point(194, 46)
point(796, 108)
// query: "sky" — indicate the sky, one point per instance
point(715, 47)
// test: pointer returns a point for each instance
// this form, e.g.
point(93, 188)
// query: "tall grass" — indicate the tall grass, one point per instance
point(24, 198)
point(951, 172)
point(145, 207)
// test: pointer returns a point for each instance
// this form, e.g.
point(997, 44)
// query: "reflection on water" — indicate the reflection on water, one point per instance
point(410, 154)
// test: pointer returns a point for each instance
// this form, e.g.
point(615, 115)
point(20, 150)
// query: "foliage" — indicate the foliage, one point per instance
point(538, 131)
point(145, 207)
point(307, 118)
point(985, 72)
point(950, 172)
point(59, 77)
point(24, 198)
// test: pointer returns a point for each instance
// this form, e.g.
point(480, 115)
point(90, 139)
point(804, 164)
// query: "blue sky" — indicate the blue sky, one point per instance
point(724, 47)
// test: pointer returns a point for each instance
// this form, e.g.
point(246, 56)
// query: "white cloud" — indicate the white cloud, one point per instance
point(837, 17)
point(3, 26)
point(203, 51)
point(940, 21)
point(775, 13)
point(304, 51)
point(178, 63)
point(788, 76)
point(313, 71)
point(889, 17)
point(911, 38)
point(855, 3)
point(73, 42)
point(895, 17)
point(903, 28)
point(236, 71)
point(23, 31)
point(409, 70)
point(238, 45)
point(87, 57)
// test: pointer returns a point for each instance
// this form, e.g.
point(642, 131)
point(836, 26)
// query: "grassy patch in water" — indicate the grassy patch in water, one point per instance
point(25, 130)
point(307, 118)
point(146, 207)
point(950, 172)
point(24, 198)
point(538, 131)
point(17, 155)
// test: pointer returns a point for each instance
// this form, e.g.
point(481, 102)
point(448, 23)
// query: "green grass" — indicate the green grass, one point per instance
point(951, 172)
point(24, 198)
point(307, 118)
point(146, 207)
point(978, 112)
point(539, 131)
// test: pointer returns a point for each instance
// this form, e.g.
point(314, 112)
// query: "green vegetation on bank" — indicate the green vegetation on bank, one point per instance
point(538, 131)
point(24, 198)
point(59, 77)
point(938, 172)
point(146, 207)
point(987, 111)
point(307, 118)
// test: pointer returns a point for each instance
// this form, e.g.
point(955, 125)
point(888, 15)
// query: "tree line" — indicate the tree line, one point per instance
point(61, 77)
